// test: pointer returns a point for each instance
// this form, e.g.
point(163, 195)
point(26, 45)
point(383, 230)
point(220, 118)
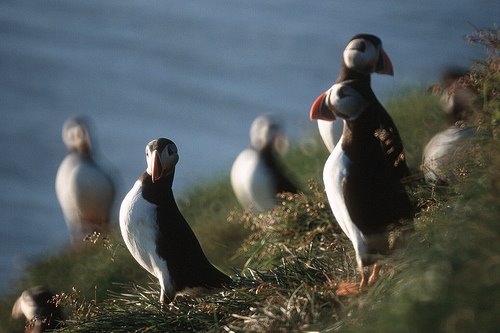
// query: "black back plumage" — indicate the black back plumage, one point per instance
point(373, 192)
point(176, 243)
point(386, 130)
point(276, 169)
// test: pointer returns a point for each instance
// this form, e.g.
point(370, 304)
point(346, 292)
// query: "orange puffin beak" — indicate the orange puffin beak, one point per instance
point(319, 109)
point(156, 169)
point(386, 65)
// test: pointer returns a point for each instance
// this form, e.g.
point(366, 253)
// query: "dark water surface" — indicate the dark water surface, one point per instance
point(197, 72)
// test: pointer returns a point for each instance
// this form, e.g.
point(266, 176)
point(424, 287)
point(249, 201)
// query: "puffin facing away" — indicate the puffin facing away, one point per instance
point(362, 176)
point(40, 312)
point(256, 175)
point(85, 191)
point(156, 233)
point(362, 56)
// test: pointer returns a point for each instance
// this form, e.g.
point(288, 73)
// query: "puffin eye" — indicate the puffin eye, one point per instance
point(341, 93)
point(359, 45)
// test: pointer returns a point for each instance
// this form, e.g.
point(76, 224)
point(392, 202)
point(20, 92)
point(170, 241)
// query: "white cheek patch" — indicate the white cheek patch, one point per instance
point(263, 131)
point(349, 104)
point(261, 136)
point(165, 158)
point(168, 161)
point(361, 60)
point(74, 137)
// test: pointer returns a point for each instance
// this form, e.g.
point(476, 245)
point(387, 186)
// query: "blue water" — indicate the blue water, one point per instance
point(197, 72)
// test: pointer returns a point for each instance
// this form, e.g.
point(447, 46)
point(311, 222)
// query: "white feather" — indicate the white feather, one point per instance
point(25, 305)
point(85, 193)
point(349, 103)
point(336, 168)
point(355, 59)
point(252, 182)
point(444, 147)
point(139, 231)
point(330, 132)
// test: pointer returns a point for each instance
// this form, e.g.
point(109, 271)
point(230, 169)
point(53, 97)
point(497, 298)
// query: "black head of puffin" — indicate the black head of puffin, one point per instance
point(346, 100)
point(76, 135)
point(161, 158)
point(364, 53)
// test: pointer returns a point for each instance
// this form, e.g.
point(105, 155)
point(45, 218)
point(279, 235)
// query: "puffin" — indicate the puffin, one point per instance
point(257, 176)
point(362, 176)
point(84, 188)
point(362, 56)
point(41, 313)
point(452, 143)
point(158, 236)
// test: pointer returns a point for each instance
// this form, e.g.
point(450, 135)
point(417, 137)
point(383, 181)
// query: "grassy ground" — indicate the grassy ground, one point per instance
point(446, 277)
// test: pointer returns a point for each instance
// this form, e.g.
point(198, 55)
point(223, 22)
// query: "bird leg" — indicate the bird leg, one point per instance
point(164, 299)
point(167, 299)
point(374, 275)
point(352, 288)
point(362, 283)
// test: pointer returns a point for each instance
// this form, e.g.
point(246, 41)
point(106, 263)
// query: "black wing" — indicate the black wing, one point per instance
point(283, 183)
point(182, 251)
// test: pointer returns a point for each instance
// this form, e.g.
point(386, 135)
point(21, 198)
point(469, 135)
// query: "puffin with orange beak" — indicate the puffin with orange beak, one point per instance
point(158, 236)
point(362, 175)
point(362, 56)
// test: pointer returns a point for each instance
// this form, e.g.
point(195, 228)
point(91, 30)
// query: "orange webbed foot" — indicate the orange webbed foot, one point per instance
point(348, 288)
